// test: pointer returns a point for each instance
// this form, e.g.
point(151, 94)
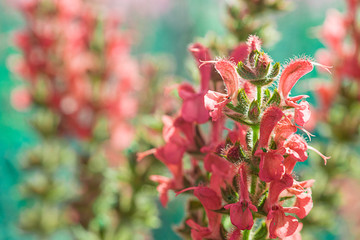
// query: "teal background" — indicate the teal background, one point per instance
point(170, 34)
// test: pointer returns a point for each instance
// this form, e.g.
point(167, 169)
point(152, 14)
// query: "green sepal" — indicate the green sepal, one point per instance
point(275, 70)
point(245, 72)
point(253, 58)
point(275, 99)
point(239, 118)
point(262, 82)
point(262, 70)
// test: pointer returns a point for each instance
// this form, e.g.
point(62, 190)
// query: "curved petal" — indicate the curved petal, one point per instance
point(291, 74)
point(269, 120)
point(228, 72)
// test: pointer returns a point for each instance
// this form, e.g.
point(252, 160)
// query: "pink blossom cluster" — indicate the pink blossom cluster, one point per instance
point(341, 35)
point(247, 170)
point(79, 67)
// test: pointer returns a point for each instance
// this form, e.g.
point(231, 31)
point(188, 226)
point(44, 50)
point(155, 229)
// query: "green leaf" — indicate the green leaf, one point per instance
point(261, 232)
point(238, 118)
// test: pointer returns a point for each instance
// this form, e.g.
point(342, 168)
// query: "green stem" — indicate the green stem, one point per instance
point(253, 184)
point(259, 96)
point(255, 129)
point(246, 234)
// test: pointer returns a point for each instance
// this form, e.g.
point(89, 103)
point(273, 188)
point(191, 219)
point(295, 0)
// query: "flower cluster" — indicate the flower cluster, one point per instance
point(340, 34)
point(246, 171)
point(65, 72)
point(83, 85)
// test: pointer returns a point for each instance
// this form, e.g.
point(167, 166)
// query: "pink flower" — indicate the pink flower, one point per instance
point(240, 214)
point(303, 203)
point(296, 147)
point(20, 99)
point(283, 130)
point(165, 184)
point(271, 161)
point(271, 165)
point(215, 101)
point(211, 201)
point(302, 113)
point(192, 109)
point(281, 225)
point(291, 74)
point(239, 53)
point(268, 122)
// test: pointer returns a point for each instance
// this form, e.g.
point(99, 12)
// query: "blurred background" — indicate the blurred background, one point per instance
point(158, 27)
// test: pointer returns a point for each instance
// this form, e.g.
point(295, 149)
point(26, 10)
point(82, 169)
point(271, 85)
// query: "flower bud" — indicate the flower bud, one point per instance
point(245, 72)
point(235, 153)
point(254, 111)
point(253, 57)
point(262, 65)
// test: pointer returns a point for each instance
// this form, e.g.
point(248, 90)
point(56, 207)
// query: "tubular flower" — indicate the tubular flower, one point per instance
point(291, 74)
point(240, 213)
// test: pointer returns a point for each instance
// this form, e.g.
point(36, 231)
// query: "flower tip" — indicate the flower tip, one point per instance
point(140, 156)
point(254, 43)
point(327, 68)
point(184, 190)
point(325, 158)
point(206, 62)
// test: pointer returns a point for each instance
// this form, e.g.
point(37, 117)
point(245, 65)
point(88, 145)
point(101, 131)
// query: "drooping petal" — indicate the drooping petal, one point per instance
point(276, 187)
point(214, 103)
point(165, 184)
point(240, 215)
point(197, 232)
point(202, 54)
point(302, 113)
point(296, 235)
point(170, 153)
point(227, 71)
point(269, 120)
point(303, 204)
point(271, 166)
point(291, 74)
point(281, 226)
point(283, 130)
point(296, 147)
point(193, 107)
